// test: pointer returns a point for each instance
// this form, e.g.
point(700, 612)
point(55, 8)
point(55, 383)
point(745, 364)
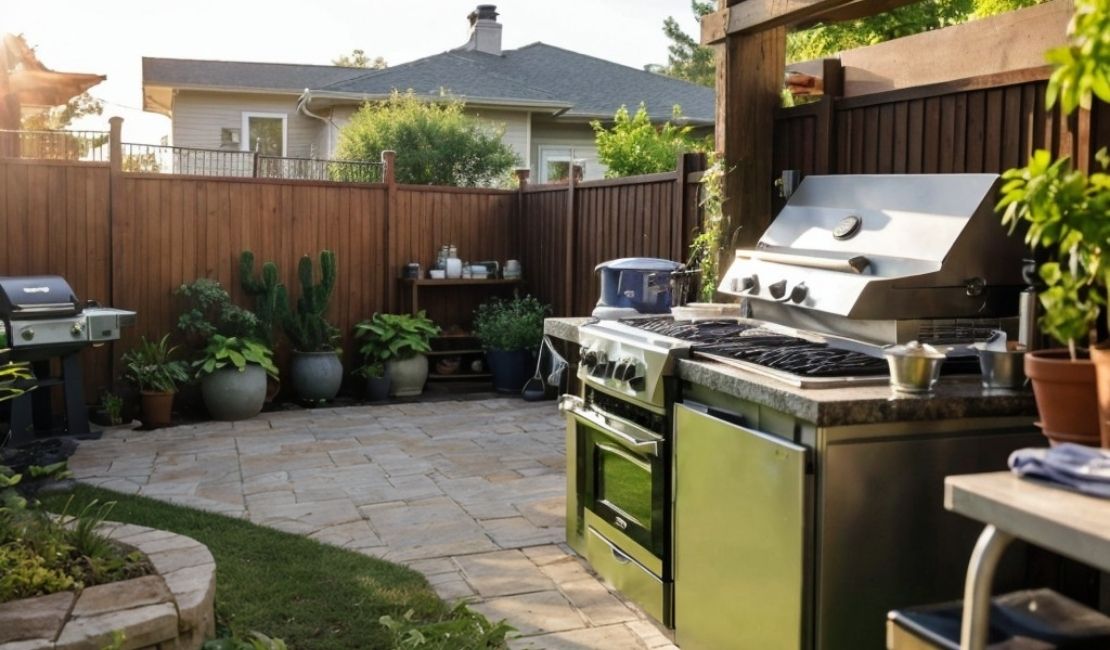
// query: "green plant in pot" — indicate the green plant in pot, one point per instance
point(510, 332)
point(1065, 212)
point(271, 300)
point(150, 366)
point(397, 342)
point(233, 374)
point(315, 371)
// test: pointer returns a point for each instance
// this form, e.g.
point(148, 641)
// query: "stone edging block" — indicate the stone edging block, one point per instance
point(170, 610)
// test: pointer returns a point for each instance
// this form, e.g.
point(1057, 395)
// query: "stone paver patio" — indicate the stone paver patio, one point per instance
point(470, 493)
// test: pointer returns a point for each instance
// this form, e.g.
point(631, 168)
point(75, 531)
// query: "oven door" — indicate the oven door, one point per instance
point(621, 478)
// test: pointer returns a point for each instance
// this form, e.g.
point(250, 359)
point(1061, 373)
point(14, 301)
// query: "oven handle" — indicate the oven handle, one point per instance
point(627, 434)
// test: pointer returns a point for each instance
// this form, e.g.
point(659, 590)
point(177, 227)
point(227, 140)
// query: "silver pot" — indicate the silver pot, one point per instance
point(914, 367)
point(1002, 368)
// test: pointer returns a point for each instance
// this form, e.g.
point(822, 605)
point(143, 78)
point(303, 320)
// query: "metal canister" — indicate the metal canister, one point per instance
point(412, 270)
point(1027, 318)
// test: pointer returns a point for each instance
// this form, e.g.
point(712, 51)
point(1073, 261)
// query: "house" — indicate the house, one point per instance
point(542, 96)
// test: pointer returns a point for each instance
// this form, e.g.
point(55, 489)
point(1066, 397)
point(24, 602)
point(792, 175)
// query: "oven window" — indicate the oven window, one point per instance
point(624, 483)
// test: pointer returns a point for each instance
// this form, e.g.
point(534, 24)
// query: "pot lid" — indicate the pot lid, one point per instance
point(914, 349)
point(639, 264)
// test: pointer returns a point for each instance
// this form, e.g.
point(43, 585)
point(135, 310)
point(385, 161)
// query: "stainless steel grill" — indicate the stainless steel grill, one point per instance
point(42, 319)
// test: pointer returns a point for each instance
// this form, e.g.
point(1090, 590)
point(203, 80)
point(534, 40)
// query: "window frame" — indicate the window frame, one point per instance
point(244, 133)
point(549, 153)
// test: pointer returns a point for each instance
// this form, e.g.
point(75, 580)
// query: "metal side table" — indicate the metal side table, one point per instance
point(1071, 524)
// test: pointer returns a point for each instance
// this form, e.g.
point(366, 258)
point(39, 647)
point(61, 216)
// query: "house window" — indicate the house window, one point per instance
point(555, 164)
point(265, 133)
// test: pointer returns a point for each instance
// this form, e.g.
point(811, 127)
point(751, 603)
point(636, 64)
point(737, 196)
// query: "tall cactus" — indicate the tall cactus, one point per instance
point(308, 327)
point(271, 300)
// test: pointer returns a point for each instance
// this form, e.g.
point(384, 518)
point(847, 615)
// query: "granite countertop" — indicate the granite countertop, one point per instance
point(954, 397)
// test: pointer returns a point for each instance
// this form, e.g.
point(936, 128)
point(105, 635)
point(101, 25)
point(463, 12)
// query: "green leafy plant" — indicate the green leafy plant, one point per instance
point(705, 249)
point(385, 337)
point(515, 324)
point(461, 629)
point(633, 145)
point(10, 376)
point(271, 299)
point(307, 326)
point(234, 352)
point(113, 407)
point(437, 143)
point(256, 641)
point(151, 367)
point(209, 310)
point(1063, 208)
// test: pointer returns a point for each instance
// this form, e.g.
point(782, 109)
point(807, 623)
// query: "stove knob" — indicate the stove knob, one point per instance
point(638, 383)
point(77, 330)
point(28, 333)
point(750, 284)
point(798, 293)
point(778, 289)
point(589, 358)
point(630, 370)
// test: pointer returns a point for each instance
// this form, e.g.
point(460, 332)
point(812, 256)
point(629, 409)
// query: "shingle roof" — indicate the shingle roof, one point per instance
point(536, 74)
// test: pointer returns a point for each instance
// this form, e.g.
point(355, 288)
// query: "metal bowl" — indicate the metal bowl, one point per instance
point(913, 369)
point(1002, 368)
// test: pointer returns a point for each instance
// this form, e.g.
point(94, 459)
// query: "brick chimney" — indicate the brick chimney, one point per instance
point(485, 31)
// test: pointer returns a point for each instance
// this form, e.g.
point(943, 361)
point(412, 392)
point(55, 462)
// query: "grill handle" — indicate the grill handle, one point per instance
point(857, 264)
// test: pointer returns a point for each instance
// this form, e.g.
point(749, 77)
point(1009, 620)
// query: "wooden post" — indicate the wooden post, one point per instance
point(116, 267)
point(569, 245)
point(521, 223)
point(750, 71)
point(687, 164)
point(389, 177)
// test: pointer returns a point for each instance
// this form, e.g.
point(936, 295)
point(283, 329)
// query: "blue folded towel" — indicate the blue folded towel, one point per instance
point(1081, 468)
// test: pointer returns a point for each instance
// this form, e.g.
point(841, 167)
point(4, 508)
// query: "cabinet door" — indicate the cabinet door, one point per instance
point(740, 529)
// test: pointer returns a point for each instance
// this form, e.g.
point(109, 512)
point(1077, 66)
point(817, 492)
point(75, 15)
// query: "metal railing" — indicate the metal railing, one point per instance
point(55, 145)
point(163, 159)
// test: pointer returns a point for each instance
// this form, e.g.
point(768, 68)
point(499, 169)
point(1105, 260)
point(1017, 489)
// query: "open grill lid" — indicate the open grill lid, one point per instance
point(37, 296)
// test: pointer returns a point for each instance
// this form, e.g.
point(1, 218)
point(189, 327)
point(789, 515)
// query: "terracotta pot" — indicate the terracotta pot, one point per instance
point(157, 409)
point(1067, 399)
point(1100, 356)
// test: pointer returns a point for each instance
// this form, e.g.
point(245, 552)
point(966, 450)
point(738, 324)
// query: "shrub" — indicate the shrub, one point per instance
point(209, 311)
point(515, 324)
point(234, 352)
point(461, 629)
point(436, 142)
point(636, 146)
point(151, 367)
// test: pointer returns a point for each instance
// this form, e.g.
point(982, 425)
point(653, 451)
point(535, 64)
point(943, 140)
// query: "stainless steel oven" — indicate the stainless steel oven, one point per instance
point(618, 486)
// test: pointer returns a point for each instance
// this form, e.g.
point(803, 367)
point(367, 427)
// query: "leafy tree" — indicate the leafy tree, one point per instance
point(436, 142)
point(686, 57)
point(358, 59)
point(636, 146)
point(60, 117)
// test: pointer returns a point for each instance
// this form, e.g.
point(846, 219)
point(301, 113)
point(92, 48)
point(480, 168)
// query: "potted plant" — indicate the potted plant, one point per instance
point(398, 341)
point(151, 368)
point(510, 331)
point(377, 380)
point(1065, 212)
point(271, 300)
point(232, 375)
point(315, 371)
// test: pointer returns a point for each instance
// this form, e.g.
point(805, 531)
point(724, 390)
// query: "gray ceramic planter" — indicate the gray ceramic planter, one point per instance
point(316, 376)
point(233, 395)
point(407, 375)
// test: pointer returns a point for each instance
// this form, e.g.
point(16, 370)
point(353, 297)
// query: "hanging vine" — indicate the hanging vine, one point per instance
point(706, 245)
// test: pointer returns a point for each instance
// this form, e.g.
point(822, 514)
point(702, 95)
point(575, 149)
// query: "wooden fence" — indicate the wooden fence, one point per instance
point(130, 239)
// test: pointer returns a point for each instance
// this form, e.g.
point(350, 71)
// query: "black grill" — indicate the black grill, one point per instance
point(37, 296)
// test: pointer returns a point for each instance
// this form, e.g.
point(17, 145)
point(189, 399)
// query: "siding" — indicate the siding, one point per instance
point(199, 116)
point(579, 137)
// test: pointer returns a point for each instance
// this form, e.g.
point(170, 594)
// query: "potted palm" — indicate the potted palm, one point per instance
point(510, 332)
point(233, 373)
point(315, 371)
point(1064, 210)
point(398, 341)
point(150, 366)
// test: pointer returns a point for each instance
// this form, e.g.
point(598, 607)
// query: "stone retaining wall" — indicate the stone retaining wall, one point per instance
point(170, 610)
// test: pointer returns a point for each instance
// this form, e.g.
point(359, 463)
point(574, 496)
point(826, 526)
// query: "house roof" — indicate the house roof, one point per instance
point(571, 84)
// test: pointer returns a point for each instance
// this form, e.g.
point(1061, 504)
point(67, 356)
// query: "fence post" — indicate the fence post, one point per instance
point(389, 159)
point(519, 227)
point(681, 224)
point(115, 207)
point(254, 165)
point(569, 241)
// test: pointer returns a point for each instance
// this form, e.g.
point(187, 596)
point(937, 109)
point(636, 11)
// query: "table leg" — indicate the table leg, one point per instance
point(977, 588)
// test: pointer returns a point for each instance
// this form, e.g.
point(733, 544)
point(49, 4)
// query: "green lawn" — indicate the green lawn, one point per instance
point(311, 595)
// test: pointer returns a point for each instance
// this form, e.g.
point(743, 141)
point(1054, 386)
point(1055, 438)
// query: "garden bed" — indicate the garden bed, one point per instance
point(170, 608)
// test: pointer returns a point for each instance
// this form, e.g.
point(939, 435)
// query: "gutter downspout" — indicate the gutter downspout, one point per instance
point(302, 107)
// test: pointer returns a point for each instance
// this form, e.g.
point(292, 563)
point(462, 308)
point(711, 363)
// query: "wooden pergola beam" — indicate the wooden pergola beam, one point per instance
point(750, 16)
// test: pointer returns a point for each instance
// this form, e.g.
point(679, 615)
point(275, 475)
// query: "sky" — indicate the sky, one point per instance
point(110, 37)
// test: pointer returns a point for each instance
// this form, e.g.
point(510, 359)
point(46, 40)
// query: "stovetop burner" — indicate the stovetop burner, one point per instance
point(764, 347)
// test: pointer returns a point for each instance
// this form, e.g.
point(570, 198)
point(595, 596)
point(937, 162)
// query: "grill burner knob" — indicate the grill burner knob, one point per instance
point(27, 334)
point(778, 289)
point(798, 293)
point(77, 330)
point(750, 283)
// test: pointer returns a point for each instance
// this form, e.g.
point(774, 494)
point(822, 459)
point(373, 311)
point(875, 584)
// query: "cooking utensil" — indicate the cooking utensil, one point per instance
point(914, 367)
point(706, 311)
point(1002, 368)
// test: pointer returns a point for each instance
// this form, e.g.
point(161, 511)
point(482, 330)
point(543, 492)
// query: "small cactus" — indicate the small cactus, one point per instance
point(307, 327)
point(271, 300)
